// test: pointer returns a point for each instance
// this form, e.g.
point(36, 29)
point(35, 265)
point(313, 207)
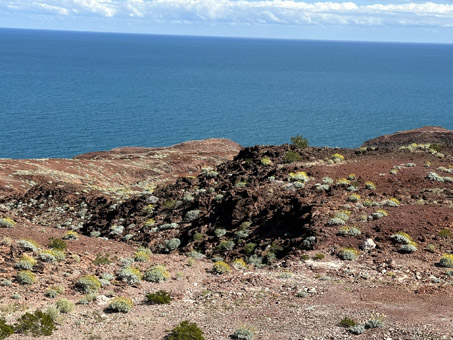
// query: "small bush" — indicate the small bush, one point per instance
point(5, 329)
point(336, 221)
point(370, 185)
point(26, 262)
point(88, 284)
point(36, 324)
point(349, 254)
point(120, 305)
point(156, 274)
point(356, 330)
point(226, 245)
point(131, 275)
point(186, 331)
point(349, 231)
point(160, 297)
point(58, 244)
point(249, 248)
point(242, 334)
point(102, 260)
point(65, 306)
point(337, 158)
point(71, 235)
point(445, 233)
point(348, 322)
point(6, 241)
point(239, 264)
point(219, 232)
point(221, 267)
point(116, 230)
point(299, 141)
point(172, 244)
point(373, 323)
point(291, 157)
point(342, 182)
point(141, 256)
point(51, 293)
point(26, 277)
point(266, 161)
point(47, 256)
point(6, 222)
point(29, 245)
point(300, 176)
point(191, 215)
point(318, 257)
point(446, 261)
point(408, 248)
point(197, 237)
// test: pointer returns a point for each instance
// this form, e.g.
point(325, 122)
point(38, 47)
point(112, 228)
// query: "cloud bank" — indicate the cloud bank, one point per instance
point(280, 12)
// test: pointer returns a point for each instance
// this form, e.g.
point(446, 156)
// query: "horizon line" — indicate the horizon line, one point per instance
point(225, 36)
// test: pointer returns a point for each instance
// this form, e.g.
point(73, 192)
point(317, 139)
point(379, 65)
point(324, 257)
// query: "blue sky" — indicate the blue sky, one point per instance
point(367, 20)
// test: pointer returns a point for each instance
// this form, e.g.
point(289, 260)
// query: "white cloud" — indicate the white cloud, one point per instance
point(281, 12)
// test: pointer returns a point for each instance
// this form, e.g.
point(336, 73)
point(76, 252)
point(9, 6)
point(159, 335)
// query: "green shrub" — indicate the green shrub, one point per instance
point(160, 297)
point(28, 244)
point(408, 248)
point(436, 147)
point(445, 233)
point(221, 267)
point(157, 274)
point(26, 277)
point(305, 257)
point(6, 222)
point(26, 262)
point(191, 215)
point(141, 256)
point(131, 275)
point(120, 305)
point(5, 329)
point(354, 198)
point(348, 322)
point(291, 157)
point(88, 284)
point(266, 161)
point(64, 306)
point(356, 330)
point(242, 334)
point(36, 324)
point(318, 257)
point(239, 264)
point(349, 231)
point(70, 235)
point(47, 256)
point(255, 260)
point(249, 248)
point(337, 158)
point(51, 293)
point(349, 254)
point(226, 245)
point(186, 331)
point(56, 243)
point(219, 232)
point(373, 323)
point(370, 185)
point(299, 141)
point(446, 261)
point(172, 244)
point(102, 260)
point(197, 236)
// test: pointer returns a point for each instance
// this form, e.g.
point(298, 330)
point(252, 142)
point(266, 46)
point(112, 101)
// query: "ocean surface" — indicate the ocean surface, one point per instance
point(66, 93)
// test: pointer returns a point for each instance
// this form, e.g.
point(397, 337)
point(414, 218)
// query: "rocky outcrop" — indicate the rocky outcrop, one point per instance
point(424, 135)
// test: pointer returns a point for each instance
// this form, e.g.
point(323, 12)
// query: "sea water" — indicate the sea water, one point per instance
point(66, 93)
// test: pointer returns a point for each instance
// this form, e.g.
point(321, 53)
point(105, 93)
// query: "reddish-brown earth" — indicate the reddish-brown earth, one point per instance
point(409, 291)
point(427, 134)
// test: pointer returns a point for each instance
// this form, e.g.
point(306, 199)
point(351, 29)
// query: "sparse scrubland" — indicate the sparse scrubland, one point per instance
point(268, 242)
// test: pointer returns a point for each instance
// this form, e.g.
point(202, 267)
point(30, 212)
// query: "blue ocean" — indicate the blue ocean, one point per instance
point(66, 93)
